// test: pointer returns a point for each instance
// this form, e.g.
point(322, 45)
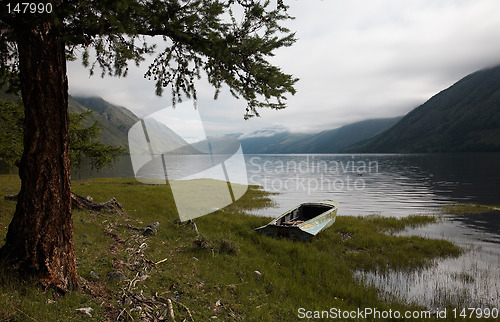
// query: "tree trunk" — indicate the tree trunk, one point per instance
point(39, 241)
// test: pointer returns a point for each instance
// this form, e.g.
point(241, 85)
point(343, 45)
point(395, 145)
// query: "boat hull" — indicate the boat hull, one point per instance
point(306, 229)
point(294, 233)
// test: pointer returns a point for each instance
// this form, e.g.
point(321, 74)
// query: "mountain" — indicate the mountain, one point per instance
point(278, 140)
point(334, 141)
point(115, 120)
point(272, 140)
point(462, 118)
point(163, 139)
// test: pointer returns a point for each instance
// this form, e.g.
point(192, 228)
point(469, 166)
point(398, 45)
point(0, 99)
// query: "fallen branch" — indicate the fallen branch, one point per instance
point(159, 262)
point(80, 202)
point(195, 228)
point(170, 309)
point(129, 226)
point(167, 300)
point(17, 309)
point(133, 299)
point(117, 238)
point(185, 308)
point(124, 310)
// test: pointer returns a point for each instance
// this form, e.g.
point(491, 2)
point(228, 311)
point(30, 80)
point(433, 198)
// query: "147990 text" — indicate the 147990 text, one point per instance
point(29, 7)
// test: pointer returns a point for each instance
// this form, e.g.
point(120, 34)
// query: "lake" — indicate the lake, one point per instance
point(385, 184)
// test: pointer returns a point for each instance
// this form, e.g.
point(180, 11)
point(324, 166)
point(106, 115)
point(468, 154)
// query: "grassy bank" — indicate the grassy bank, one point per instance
point(226, 271)
point(467, 209)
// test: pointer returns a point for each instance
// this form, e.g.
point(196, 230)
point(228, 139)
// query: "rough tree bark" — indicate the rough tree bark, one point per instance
point(39, 241)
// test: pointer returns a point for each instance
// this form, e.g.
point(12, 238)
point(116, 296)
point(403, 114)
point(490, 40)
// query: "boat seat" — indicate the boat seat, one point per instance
point(293, 223)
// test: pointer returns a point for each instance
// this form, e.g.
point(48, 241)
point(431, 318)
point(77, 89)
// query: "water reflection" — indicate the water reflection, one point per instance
point(398, 185)
point(471, 280)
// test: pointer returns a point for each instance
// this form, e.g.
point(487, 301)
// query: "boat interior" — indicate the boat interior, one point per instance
point(301, 214)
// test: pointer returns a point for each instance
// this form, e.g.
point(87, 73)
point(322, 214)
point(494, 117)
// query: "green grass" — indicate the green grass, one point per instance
point(467, 208)
point(214, 273)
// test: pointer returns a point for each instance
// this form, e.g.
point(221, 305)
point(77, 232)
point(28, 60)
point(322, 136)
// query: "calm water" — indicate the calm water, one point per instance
point(385, 184)
point(471, 280)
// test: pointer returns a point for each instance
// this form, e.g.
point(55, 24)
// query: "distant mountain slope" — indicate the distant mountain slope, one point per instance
point(334, 141)
point(163, 139)
point(278, 142)
point(463, 117)
point(116, 120)
point(331, 141)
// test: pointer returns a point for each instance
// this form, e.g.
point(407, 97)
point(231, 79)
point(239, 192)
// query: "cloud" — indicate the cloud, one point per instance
point(356, 59)
point(265, 132)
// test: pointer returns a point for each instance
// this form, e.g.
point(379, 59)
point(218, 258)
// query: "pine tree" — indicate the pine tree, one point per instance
point(84, 139)
point(230, 41)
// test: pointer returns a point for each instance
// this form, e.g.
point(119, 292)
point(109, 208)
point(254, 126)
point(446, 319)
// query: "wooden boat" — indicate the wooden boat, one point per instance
point(304, 221)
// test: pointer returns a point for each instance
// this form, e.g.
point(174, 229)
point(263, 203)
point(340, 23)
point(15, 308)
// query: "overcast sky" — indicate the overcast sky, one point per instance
point(356, 59)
